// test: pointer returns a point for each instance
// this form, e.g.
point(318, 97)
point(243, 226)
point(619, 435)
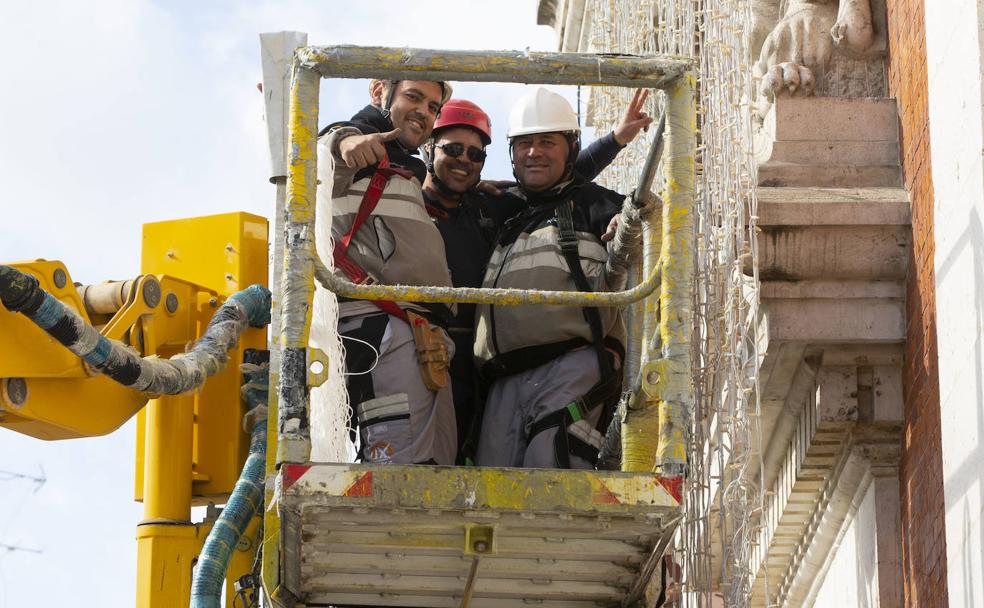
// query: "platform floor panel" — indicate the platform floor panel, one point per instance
point(362, 535)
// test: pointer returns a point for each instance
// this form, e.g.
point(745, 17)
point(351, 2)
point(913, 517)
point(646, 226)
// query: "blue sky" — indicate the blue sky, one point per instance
point(119, 112)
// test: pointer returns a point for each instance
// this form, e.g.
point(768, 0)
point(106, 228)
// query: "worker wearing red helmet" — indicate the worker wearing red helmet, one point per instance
point(469, 219)
point(466, 129)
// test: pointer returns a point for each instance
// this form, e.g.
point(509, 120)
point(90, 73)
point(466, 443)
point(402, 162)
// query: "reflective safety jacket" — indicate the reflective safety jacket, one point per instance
point(398, 243)
point(512, 339)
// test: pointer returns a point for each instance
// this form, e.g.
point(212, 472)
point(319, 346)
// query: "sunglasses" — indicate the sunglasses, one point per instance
point(454, 150)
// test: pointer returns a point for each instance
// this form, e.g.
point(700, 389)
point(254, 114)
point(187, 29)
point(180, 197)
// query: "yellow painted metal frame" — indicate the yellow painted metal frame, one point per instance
point(676, 390)
point(226, 252)
point(653, 428)
point(54, 376)
point(493, 488)
point(647, 443)
point(190, 448)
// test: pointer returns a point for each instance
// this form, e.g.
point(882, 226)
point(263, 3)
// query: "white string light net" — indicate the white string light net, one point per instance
point(330, 408)
point(721, 511)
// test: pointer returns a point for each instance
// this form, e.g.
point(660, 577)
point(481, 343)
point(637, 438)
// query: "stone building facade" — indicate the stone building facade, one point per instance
point(869, 137)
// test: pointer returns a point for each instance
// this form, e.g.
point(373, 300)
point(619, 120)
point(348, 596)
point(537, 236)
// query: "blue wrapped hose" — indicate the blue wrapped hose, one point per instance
point(245, 501)
point(20, 292)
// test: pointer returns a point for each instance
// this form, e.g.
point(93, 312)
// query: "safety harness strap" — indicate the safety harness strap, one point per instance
point(602, 393)
point(567, 443)
point(569, 249)
point(564, 443)
point(370, 199)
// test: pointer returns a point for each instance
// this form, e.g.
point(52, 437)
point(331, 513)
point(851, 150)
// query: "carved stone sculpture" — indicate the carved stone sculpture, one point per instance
point(818, 47)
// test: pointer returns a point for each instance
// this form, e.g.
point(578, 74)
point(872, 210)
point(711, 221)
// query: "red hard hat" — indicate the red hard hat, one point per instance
point(463, 113)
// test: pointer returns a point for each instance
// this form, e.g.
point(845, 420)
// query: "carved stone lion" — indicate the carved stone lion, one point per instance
point(818, 47)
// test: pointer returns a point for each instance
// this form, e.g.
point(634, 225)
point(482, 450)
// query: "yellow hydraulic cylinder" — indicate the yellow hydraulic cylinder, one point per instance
point(167, 541)
point(165, 557)
point(167, 461)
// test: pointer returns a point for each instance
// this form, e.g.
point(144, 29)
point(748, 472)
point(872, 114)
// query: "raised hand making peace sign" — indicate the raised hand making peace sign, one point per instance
point(634, 119)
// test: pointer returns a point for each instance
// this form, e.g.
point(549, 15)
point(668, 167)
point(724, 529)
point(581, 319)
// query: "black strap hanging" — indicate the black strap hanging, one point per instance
point(608, 385)
point(569, 249)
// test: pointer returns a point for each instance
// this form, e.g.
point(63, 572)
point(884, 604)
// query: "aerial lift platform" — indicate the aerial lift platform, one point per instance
point(341, 534)
point(465, 536)
point(452, 536)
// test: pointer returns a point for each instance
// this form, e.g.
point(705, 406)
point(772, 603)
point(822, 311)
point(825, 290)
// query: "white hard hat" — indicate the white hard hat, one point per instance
point(542, 111)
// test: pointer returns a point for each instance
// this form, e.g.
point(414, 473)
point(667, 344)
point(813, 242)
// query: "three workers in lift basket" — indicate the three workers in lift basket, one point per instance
point(543, 382)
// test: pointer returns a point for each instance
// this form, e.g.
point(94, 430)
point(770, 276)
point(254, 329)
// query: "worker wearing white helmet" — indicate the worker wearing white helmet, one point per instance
point(469, 218)
point(554, 369)
point(370, 205)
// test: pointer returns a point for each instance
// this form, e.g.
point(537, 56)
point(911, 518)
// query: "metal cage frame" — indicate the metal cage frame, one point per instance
point(653, 427)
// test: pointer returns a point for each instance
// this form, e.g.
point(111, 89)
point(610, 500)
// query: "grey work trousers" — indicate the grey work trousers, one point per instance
point(400, 420)
point(516, 402)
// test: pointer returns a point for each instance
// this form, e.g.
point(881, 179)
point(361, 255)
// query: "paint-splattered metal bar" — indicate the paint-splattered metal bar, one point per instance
point(493, 66)
point(498, 296)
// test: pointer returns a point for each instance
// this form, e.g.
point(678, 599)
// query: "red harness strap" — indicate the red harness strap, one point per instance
point(436, 213)
point(370, 199)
